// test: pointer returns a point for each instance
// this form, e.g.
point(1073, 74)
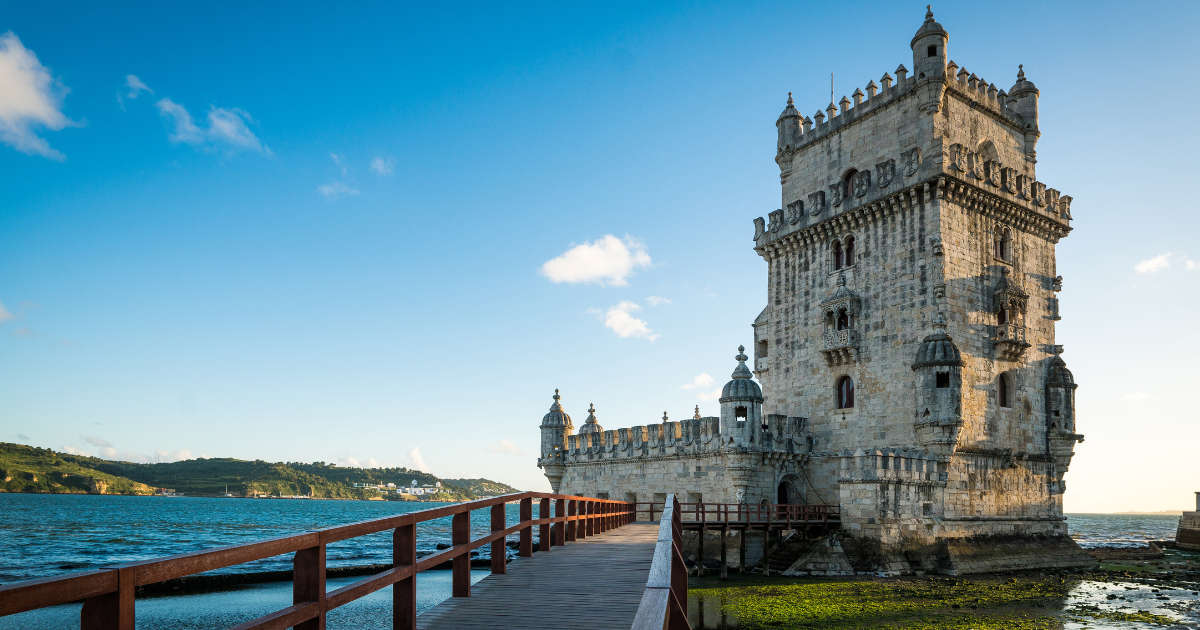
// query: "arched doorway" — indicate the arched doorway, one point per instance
point(788, 491)
point(785, 492)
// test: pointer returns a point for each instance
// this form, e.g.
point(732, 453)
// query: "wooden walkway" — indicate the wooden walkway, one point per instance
point(593, 583)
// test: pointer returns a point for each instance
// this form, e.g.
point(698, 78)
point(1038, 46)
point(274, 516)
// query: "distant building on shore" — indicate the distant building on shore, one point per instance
point(907, 358)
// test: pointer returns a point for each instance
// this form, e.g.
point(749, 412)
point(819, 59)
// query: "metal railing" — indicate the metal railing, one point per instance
point(664, 602)
point(108, 595)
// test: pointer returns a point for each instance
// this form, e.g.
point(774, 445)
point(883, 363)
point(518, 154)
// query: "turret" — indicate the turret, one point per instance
point(929, 48)
point(1060, 395)
point(591, 425)
point(556, 426)
point(938, 370)
point(788, 125)
point(741, 403)
point(1022, 100)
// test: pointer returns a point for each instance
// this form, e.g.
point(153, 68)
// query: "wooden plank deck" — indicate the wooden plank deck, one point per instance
point(592, 583)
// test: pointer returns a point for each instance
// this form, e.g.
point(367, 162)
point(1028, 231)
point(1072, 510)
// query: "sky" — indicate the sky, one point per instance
point(382, 234)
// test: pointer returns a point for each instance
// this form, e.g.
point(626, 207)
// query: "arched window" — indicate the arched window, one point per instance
point(1004, 385)
point(848, 184)
point(843, 319)
point(837, 255)
point(1002, 316)
point(845, 393)
point(1003, 245)
point(848, 251)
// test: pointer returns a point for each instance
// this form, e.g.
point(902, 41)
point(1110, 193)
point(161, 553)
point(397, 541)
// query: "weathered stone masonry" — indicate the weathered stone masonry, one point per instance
point(906, 352)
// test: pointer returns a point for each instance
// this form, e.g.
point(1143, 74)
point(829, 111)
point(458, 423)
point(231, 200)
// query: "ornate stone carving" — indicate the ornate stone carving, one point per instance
point(974, 164)
point(1038, 192)
point(776, 218)
point(835, 194)
point(795, 212)
point(1009, 177)
point(939, 291)
point(991, 172)
point(1064, 206)
point(841, 312)
point(884, 172)
point(935, 244)
point(816, 202)
point(958, 157)
point(862, 183)
point(1052, 196)
point(760, 227)
point(1022, 186)
point(1056, 284)
point(912, 161)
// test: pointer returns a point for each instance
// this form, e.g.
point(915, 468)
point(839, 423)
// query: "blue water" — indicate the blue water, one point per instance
point(49, 534)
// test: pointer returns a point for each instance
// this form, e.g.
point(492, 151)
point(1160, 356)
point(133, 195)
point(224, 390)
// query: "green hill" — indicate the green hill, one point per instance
point(30, 469)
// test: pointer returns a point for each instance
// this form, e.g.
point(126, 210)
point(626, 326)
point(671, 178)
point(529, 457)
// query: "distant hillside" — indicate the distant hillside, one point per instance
point(30, 469)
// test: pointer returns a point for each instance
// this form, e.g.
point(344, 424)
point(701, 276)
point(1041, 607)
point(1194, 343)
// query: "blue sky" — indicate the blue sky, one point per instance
point(320, 234)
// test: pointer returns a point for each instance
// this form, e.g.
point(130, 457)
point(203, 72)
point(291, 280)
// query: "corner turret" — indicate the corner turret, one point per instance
point(938, 369)
point(788, 125)
point(591, 425)
point(929, 49)
point(556, 426)
point(1022, 100)
point(741, 402)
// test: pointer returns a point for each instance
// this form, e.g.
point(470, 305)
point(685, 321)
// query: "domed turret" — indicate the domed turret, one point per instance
point(788, 125)
point(929, 48)
point(556, 426)
point(742, 388)
point(590, 425)
point(938, 349)
point(938, 371)
point(741, 403)
point(1060, 394)
point(1023, 100)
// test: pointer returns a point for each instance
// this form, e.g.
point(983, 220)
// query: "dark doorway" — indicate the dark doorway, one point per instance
point(785, 492)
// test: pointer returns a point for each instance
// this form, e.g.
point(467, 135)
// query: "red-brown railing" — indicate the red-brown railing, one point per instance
point(664, 602)
point(735, 513)
point(108, 594)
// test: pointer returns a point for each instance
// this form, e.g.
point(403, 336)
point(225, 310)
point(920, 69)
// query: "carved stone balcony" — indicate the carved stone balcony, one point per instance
point(840, 346)
point(1009, 341)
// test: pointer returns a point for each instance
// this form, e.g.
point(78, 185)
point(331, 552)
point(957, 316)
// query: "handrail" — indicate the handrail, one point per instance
point(664, 602)
point(108, 595)
point(732, 513)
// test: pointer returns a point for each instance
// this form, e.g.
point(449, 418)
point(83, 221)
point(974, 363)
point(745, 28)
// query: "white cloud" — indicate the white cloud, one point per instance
point(656, 300)
point(4, 314)
point(703, 379)
point(382, 165)
point(334, 190)
point(29, 98)
point(227, 128)
point(607, 260)
point(135, 87)
point(619, 319)
point(418, 460)
point(1135, 396)
point(1152, 265)
point(710, 395)
point(506, 447)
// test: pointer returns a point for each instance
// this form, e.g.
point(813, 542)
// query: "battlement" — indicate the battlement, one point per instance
point(685, 437)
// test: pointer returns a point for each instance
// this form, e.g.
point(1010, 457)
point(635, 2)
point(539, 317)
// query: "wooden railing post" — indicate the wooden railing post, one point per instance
point(308, 583)
point(526, 546)
point(589, 528)
point(559, 537)
point(544, 529)
point(572, 509)
point(679, 569)
point(404, 592)
point(499, 551)
point(460, 534)
point(112, 611)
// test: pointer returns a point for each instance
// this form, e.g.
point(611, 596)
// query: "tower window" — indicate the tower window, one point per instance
point(848, 250)
point(761, 349)
point(845, 393)
point(848, 185)
point(932, 51)
point(1002, 316)
point(843, 319)
point(838, 258)
point(943, 380)
point(1003, 246)
point(1004, 385)
point(739, 413)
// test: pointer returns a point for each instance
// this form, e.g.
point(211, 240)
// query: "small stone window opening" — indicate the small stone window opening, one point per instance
point(838, 257)
point(761, 349)
point(1004, 383)
point(848, 250)
point(1003, 246)
point(843, 319)
point(848, 185)
point(845, 393)
point(1002, 316)
point(931, 51)
point(739, 413)
point(943, 380)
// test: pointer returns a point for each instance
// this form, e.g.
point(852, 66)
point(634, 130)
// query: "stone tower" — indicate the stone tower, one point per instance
point(912, 304)
point(556, 426)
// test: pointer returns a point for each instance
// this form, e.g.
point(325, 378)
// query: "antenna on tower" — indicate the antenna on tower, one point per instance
point(830, 87)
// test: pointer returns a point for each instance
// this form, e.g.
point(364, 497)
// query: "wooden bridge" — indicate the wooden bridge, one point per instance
point(615, 573)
